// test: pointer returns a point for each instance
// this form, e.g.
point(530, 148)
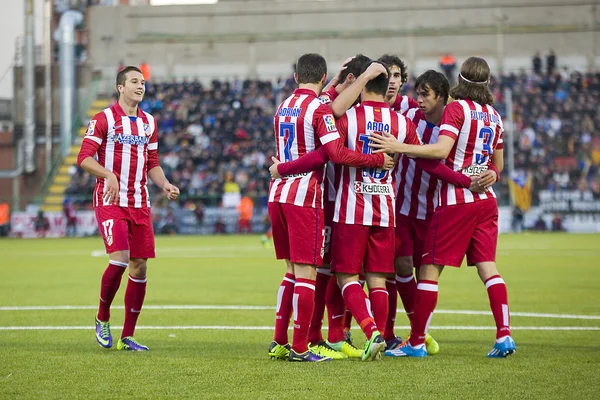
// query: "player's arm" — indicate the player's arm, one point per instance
point(345, 100)
point(95, 135)
point(333, 142)
point(155, 171)
point(306, 163)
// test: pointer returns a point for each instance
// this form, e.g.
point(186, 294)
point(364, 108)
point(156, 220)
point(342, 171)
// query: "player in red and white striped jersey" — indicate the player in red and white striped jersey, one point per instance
point(125, 140)
point(303, 124)
point(465, 223)
point(398, 77)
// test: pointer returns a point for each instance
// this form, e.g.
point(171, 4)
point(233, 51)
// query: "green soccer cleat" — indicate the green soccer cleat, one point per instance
point(347, 349)
point(324, 350)
point(373, 347)
point(129, 343)
point(431, 345)
point(279, 352)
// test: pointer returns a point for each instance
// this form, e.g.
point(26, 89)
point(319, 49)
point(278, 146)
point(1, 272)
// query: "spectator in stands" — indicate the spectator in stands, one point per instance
point(557, 223)
point(41, 223)
point(170, 226)
point(551, 62)
point(70, 217)
point(4, 218)
point(448, 65)
point(145, 68)
point(537, 63)
point(540, 224)
point(219, 226)
point(245, 210)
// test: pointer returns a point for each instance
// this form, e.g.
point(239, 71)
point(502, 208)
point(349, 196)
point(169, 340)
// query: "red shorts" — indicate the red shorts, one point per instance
point(356, 245)
point(328, 231)
point(297, 233)
point(469, 229)
point(126, 228)
point(410, 236)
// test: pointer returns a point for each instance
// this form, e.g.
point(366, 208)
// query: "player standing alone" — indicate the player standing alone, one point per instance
point(465, 223)
point(125, 139)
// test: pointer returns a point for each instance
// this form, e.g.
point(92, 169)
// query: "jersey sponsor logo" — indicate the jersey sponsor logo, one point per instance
point(472, 170)
point(90, 128)
point(290, 112)
point(329, 123)
point(373, 126)
point(325, 99)
point(373, 188)
point(129, 139)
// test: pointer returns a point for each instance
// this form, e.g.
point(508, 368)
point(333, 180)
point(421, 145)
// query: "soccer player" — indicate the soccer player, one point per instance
point(303, 124)
point(398, 77)
point(465, 223)
point(125, 140)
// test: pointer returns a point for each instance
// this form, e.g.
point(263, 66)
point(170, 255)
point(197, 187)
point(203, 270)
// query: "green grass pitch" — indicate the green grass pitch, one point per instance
point(554, 291)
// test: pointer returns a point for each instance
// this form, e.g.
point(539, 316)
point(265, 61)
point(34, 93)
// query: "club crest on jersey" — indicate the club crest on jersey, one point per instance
point(90, 128)
point(109, 240)
point(146, 126)
point(329, 123)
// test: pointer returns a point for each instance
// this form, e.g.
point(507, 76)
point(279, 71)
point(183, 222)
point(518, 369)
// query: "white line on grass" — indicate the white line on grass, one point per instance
point(238, 307)
point(270, 328)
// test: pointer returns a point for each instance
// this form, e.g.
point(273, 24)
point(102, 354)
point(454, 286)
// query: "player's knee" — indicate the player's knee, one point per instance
point(403, 266)
point(137, 267)
point(120, 256)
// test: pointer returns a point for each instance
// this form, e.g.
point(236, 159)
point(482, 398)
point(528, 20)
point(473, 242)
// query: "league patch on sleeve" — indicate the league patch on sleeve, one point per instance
point(90, 128)
point(329, 123)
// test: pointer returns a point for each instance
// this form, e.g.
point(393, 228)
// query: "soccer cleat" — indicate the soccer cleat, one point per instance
point(324, 350)
point(129, 343)
point(394, 343)
point(503, 347)
point(348, 337)
point(307, 356)
point(373, 347)
point(347, 349)
point(407, 350)
point(431, 345)
point(103, 336)
point(279, 352)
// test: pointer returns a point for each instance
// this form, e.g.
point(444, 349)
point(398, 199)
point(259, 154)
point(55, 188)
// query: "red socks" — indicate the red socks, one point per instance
point(134, 299)
point(407, 288)
point(321, 284)
point(498, 296)
point(379, 306)
point(303, 303)
point(388, 333)
point(425, 302)
point(111, 280)
point(357, 302)
point(283, 312)
point(336, 310)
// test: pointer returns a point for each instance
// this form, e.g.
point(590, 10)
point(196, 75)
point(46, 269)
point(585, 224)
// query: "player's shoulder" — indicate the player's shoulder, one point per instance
point(412, 103)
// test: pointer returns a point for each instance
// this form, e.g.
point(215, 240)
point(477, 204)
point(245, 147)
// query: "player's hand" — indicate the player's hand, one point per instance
point(336, 78)
point(385, 143)
point(273, 168)
point(111, 190)
point(172, 191)
point(487, 179)
point(475, 186)
point(388, 161)
point(374, 70)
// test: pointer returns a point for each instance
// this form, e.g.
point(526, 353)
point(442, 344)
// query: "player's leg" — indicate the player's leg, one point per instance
point(141, 241)
point(482, 254)
point(280, 348)
point(336, 308)
point(305, 227)
point(114, 231)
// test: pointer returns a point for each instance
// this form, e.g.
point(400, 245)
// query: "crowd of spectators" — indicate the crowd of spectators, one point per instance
point(217, 140)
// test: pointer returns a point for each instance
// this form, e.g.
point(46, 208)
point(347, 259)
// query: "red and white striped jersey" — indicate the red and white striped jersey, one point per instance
point(127, 146)
point(327, 98)
point(404, 103)
point(478, 132)
point(367, 196)
point(302, 124)
point(417, 190)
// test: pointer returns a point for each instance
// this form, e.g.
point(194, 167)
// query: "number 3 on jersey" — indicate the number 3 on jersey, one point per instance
point(287, 131)
point(487, 134)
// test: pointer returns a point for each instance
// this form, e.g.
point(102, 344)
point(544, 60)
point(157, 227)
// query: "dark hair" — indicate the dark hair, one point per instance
point(391, 59)
point(379, 84)
point(477, 71)
point(122, 75)
point(436, 81)
point(310, 68)
point(354, 67)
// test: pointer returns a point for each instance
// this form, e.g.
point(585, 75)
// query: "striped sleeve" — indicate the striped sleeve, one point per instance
point(452, 120)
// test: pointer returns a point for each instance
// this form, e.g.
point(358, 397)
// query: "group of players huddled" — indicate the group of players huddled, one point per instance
point(369, 185)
